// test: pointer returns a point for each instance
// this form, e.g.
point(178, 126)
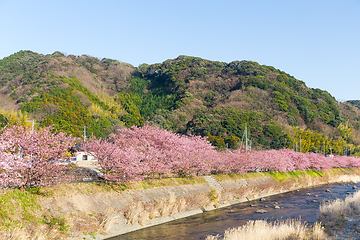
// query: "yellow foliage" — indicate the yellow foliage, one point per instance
point(312, 141)
point(345, 130)
point(15, 118)
point(114, 111)
point(111, 102)
point(97, 110)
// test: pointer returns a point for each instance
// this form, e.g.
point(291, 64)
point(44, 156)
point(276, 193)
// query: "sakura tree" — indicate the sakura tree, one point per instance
point(31, 158)
point(149, 151)
point(118, 164)
point(283, 160)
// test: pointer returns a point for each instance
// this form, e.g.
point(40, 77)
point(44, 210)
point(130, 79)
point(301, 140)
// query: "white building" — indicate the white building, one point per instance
point(84, 159)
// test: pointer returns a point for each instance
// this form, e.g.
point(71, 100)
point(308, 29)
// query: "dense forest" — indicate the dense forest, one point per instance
point(186, 95)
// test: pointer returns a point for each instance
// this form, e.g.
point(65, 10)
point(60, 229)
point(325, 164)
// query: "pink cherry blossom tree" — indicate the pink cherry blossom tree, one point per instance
point(149, 151)
point(118, 163)
point(31, 158)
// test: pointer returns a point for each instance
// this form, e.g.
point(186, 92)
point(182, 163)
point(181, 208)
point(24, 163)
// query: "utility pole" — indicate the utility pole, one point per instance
point(84, 133)
point(300, 142)
point(346, 150)
point(245, 135)
point(246, 138)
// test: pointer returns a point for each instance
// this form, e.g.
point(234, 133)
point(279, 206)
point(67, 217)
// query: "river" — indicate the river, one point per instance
point(302, 204)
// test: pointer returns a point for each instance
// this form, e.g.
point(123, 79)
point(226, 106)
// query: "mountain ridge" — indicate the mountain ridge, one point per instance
point(186, 95)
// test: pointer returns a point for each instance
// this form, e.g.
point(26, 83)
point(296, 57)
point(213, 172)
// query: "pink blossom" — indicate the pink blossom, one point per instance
point(29, 159)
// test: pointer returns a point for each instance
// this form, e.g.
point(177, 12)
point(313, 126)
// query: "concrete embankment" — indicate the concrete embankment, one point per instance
point(127, 211)
point(103, 210)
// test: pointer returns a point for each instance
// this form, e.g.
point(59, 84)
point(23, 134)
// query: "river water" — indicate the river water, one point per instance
point(302, 204)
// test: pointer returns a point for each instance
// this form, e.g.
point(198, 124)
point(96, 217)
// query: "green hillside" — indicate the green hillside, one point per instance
point(355, 103)
point(187, 95)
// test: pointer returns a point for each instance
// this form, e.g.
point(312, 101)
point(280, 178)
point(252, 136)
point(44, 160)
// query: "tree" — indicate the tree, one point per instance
point(14, 118)
point(149, 151)
point(31, 158)
point(273, 130)
point(216, 141)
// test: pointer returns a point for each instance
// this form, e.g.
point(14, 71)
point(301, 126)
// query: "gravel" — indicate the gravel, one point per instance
point(350, 231)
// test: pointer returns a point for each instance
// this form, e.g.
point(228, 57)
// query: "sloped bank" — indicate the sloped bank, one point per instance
point(145, 208)
point(100, 210)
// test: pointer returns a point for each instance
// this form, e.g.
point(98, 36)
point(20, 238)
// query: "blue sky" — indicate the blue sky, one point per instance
point(317, 42)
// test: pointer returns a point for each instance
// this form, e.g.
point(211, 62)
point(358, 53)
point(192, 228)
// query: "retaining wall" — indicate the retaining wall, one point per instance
point(225, 193)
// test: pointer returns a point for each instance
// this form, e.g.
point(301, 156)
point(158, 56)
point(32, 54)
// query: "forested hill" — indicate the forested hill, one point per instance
point(355, 103)
point(186, 95)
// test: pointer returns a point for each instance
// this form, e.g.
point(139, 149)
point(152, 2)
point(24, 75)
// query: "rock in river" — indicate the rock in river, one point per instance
point(261, 211)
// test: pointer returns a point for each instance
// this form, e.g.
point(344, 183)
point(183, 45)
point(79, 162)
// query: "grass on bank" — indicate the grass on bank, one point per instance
point(19, 207)
point(97, 187)
point(334, 212)
point(279, 230)
point(283, 176)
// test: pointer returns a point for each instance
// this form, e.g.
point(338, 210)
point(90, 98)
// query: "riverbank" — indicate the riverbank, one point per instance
point(99, 210)
point(279, 230)
point(338, 219)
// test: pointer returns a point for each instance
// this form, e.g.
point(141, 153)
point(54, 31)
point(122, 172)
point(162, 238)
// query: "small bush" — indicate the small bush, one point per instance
point(55, 222)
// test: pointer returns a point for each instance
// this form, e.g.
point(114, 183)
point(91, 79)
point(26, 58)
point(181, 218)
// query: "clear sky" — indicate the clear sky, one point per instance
point(316, 41)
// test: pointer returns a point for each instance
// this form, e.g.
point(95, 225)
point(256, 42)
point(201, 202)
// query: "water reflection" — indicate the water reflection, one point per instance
point(304, 203)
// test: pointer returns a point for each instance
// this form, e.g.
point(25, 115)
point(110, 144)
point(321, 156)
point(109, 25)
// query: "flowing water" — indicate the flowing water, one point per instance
point(302, 204)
